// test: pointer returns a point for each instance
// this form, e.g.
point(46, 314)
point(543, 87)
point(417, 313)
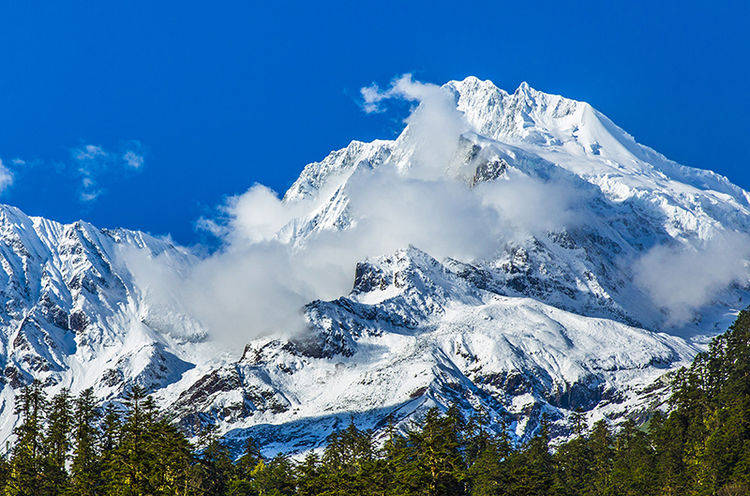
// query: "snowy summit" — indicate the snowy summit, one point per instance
point(514, 253)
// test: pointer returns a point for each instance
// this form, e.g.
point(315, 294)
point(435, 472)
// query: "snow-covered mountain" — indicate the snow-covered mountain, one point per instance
point(553, 318)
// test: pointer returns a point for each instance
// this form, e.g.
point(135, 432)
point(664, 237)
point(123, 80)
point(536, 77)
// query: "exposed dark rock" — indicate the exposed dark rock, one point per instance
point(489, 171)
point(78, 321)
point(368, 278)
point(112, 377)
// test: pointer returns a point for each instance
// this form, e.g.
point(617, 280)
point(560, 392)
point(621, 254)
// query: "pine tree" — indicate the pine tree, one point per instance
point(439, 465)
point(400, 474)
point(310, 476)
point(601, 446)
point(172, 457)
point(634, 465)
point(274, 478)
point(85, 469)
point(533, 467)
point(573, 467)
point(667, 437)
point(108, 442)
point(488, 473)
point(27, 459)
point(5, 473)
point(240, 483)
point(130, 465)
point(214, 464)
point(57, 444)
point(350, 463)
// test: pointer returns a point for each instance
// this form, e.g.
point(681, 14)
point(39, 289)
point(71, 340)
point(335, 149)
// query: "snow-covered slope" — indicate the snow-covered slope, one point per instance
point(551, 321)
point(72, 316)
point(414, 334)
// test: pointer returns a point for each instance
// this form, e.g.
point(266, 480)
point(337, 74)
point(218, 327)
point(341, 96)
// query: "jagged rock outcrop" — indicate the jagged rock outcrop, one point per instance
point(549, 324)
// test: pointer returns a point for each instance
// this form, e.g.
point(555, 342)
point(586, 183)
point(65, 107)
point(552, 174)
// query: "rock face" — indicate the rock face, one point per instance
point(550, 324)
point(73, 316)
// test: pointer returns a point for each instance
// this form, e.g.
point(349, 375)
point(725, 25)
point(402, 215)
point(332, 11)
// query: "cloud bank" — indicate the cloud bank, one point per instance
point(682, 279)
point(276, 256)
point(259, 280)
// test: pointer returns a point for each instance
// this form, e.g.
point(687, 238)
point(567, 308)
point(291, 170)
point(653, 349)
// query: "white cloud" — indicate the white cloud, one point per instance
point(89, 195)
point(433, 127)
point(257, 284)
point(92, 162)
point(133, 159)
point(682, 279)
point(6, 177)
point(87, 153)
point(257, 214)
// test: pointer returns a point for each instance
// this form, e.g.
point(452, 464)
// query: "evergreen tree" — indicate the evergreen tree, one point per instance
point(601, 447)
point(108, 442)
point(241, 482)
point(488, 473)
point(214, 465)
point(85, 469)
point(532, 468)
point(438, 462)
point(573, 466)
point(172, 462)
point(57, 444)
point(130, 465)
point(633, 466)
point(350, 463)
point(26, 463)
point(274, 478)
point(310, 476)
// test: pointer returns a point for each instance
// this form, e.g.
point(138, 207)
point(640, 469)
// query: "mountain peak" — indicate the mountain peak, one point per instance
point(524, 88)
point(540, 321)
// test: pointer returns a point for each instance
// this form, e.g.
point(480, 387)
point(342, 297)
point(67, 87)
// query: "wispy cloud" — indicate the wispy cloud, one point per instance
point(683, 278)
point(6, 176)
point(133, 159)
point(257, 283)
point(91, 162)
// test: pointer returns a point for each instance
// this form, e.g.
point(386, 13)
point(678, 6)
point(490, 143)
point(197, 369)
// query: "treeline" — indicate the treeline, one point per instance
point(70, 446)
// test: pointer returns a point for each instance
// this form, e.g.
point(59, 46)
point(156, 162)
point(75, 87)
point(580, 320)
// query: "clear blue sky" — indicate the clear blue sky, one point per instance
point(219, 95)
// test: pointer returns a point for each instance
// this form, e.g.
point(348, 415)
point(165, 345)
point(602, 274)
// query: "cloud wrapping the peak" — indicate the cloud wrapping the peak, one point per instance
point(433, 127)
point(257, 215)
point(258, 281)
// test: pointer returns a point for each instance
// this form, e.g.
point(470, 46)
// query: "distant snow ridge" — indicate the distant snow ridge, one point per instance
point(551, 322)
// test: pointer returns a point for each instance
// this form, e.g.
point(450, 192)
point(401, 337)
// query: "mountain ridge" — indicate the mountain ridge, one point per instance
point(549, 318)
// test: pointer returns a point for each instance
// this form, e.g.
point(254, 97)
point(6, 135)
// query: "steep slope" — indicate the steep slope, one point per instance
point(549, 320)
point(412, 335)
point(633, 199)
point(73, 316)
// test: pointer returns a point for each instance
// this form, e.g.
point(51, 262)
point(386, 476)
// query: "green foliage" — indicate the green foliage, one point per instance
point(85, 469)
point(72, 446)
point(27, 458)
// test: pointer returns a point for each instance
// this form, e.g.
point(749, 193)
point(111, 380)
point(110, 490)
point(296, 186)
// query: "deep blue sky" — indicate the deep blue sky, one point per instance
point(225, 94)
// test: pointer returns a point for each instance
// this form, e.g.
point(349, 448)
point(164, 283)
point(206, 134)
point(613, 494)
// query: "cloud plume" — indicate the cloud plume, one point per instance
point(433, 126)
point(682, 279)
point(261, 277)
